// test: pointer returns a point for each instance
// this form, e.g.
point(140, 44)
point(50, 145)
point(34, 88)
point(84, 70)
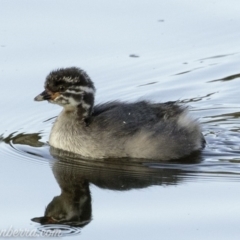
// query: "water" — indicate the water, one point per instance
point(155, 50)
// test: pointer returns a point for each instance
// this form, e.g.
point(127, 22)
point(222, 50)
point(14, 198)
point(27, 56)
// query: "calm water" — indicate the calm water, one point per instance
point(148, 49)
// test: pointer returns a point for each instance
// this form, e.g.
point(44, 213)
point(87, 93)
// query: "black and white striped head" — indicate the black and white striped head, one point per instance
point(71, 88)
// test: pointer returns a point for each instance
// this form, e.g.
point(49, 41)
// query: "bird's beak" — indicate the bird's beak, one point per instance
point(44, 220)
point(45, 95)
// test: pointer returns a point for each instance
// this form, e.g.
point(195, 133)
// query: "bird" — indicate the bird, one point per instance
point(116, 129)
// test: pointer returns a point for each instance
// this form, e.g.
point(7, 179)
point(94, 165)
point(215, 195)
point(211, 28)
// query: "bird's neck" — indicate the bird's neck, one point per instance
point(81, 106)
point(82, 112)
point(85, 107)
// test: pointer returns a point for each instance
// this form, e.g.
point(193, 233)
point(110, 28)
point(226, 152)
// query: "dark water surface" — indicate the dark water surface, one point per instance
point(133, 50)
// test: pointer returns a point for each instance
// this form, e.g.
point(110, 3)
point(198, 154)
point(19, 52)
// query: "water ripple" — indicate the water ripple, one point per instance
point(58, 230)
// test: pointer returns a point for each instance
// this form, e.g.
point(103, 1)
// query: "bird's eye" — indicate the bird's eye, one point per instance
point(61, 88)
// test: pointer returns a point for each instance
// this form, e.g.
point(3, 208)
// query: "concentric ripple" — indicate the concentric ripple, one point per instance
point(55, 230)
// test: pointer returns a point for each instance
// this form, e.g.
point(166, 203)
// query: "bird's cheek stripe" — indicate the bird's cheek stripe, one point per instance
point(54, 95)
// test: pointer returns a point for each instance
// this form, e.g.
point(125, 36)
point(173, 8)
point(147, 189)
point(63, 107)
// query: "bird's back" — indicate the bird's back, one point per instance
point(145, 130)
point(127, 118)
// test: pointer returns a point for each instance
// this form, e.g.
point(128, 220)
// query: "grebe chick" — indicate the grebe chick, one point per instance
point(161, 131)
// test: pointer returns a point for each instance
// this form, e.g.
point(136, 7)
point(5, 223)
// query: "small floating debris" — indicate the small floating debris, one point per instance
point(134, 56)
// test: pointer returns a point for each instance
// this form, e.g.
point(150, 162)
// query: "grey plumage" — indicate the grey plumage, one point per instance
point(161, 131)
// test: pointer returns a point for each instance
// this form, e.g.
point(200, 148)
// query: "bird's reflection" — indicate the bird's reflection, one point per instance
point(73, 174)
point(73, 206)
